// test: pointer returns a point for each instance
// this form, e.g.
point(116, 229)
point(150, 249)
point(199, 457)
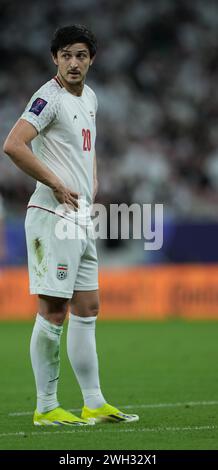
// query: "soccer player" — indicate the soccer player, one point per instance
point(59, 121)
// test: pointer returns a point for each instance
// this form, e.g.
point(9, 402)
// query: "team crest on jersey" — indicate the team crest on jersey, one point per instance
point(37, 106)
point(62, 270)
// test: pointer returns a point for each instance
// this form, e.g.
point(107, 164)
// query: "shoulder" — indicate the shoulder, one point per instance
point(44, 105)
point(50, 92)
point(90, 92)
point(91, 95)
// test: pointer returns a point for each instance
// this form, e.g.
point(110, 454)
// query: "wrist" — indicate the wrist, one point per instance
point(54, 184)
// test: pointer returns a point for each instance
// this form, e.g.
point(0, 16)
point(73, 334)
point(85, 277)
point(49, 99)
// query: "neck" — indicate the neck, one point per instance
point(73, 89)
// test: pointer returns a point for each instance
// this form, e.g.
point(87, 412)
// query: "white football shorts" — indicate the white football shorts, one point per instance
point(62, 255)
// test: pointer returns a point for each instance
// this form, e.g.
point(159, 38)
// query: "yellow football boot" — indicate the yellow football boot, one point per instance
point(107, 413)
point(58, 417)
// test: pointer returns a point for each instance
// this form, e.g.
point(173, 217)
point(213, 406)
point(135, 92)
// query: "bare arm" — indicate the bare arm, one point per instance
point(16, 147)
point(95, 178)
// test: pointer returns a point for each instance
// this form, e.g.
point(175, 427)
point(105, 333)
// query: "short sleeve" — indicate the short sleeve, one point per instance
point(42, 109)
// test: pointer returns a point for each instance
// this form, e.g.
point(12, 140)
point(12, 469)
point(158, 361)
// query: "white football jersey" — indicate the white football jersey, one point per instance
point(65, 141)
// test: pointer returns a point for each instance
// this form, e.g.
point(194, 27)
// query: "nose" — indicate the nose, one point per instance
point(73, 63)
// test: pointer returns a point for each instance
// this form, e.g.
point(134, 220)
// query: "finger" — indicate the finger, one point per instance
point(74, 195)
point(74, 202)
point(71, 207)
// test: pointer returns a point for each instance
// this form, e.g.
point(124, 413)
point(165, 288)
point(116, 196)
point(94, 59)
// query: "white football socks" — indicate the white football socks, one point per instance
point(81, 348)
point(44, 352)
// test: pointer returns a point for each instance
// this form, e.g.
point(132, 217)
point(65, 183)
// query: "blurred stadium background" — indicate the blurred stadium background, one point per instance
point(155, 76)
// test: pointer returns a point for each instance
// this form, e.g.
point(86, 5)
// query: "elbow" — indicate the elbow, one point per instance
point(9, 146)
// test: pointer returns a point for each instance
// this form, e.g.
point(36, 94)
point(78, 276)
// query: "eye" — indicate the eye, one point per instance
point(81, 55)
point(66, 56)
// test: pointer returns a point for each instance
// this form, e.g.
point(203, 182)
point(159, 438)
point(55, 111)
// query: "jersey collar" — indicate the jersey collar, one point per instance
point(57, 79)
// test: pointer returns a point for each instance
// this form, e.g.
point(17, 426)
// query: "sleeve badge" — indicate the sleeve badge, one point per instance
point(37, 106)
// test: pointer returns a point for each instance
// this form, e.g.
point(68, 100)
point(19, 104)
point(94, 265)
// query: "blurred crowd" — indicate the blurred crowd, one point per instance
point(155, 77)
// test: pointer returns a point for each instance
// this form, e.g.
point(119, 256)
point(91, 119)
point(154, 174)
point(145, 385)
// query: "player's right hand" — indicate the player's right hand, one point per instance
point(67, 197)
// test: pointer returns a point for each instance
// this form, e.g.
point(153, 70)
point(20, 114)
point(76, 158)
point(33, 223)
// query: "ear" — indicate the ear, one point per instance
point(55, 60)
point(92, 60)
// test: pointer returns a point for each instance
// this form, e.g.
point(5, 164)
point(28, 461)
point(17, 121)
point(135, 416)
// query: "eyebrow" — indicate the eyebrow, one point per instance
point(70, 52)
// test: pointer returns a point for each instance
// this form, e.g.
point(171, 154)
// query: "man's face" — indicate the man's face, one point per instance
point(73, 62)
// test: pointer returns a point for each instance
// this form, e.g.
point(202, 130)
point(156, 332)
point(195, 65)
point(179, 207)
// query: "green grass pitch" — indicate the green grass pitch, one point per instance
point(164, 371)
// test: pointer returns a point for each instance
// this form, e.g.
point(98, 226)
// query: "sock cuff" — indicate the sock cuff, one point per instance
point(74, 319)
point(48, 325)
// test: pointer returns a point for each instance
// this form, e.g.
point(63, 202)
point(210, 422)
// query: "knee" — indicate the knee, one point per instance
point(53, 309)
point(93, 310)
point(56, 318)
point(90, 310)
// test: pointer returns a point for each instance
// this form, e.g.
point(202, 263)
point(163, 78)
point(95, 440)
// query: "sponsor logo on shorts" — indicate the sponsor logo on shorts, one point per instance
point(62, 270)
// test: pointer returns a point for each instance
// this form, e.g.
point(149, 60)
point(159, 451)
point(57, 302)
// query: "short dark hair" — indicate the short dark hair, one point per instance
point(72, 34)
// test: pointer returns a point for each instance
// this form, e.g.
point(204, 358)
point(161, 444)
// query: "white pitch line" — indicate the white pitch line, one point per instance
point(130, 407)
point(126, 430)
